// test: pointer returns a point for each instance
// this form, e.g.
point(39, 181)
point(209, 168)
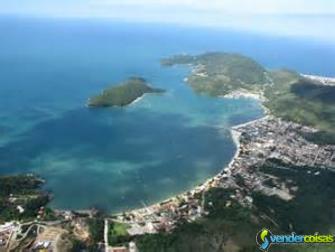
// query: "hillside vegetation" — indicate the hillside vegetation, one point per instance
point(298, 99)
point(123, 94)
point(289, 95)
point(218, 74)
point(21, 191)
point(233, 228)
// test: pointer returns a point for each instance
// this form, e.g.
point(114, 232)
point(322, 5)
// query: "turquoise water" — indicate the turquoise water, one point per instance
point(120, 158)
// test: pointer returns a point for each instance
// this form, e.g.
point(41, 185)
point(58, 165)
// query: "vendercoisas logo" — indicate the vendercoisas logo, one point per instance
point(263, 239)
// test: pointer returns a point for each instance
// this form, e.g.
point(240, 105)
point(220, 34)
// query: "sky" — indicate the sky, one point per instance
point(309, 18)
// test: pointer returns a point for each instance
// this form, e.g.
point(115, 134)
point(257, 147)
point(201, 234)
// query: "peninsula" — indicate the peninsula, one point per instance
point(123, 94)
point(220, 73)
point(283, 171)
point(303, 99)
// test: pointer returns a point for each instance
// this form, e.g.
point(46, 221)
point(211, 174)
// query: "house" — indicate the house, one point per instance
point(119, 249)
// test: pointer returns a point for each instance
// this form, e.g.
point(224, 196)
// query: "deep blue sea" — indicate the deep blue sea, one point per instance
point(122, 158)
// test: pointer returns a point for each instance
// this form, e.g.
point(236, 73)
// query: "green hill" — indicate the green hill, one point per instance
point(298, 99)
point(289, 95)
point(218, 74)
point(233, 228)
point(123, 94)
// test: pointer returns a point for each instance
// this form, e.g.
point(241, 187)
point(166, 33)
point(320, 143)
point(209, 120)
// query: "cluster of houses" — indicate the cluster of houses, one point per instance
point(42, 246)
point(275, 138)
point(130, 248)
point(272, 138)
point(6, 232)
point(258, 141)
point(163, 216)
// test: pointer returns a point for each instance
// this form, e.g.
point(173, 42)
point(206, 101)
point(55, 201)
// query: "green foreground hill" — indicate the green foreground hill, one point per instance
point(123, 94)
point(233, 228)
point(22, 191)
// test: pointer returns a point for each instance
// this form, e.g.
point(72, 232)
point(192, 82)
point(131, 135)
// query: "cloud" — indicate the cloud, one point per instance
point(229, 6)
point(278, 17)
point(282, 17)
point(236, 7)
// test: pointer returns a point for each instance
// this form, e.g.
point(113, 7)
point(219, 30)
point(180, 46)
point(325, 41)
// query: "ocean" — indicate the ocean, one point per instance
point(122, 158)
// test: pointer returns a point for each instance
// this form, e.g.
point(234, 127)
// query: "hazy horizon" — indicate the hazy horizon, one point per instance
point(297, 18)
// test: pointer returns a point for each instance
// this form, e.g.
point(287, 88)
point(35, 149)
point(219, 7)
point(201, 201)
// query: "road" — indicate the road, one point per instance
point(106, 235)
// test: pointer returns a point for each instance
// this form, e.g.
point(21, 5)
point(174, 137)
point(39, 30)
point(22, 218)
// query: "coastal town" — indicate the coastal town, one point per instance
point(31, 236)
point(53, 236)
point(167, 126)
point(257, 141)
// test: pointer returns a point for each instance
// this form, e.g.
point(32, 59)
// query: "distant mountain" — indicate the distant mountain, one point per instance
point(218, 73)
point(288, 94)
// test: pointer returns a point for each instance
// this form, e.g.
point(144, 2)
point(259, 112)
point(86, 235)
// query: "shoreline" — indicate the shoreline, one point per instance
point(325, 80)
point(235, 134)
point(133, 102)
point(138, 99)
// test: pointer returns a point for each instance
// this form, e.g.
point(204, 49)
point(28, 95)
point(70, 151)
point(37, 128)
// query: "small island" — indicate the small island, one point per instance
point(284, 162)
point(123, 94)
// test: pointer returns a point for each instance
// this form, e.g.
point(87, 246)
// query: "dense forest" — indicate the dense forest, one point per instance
point(123, 94)
point(21, 191)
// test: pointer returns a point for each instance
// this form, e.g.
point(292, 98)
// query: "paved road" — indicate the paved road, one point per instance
point(106, 235)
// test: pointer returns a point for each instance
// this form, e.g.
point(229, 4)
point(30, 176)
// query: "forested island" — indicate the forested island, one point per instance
point(284, 165)
point(123, 94)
